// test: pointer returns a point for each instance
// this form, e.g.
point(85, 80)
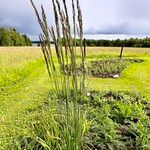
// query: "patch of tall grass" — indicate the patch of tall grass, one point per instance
point(65, 127)
point(49, 130)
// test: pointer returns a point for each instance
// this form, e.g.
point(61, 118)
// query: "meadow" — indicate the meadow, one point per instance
point(25, 85)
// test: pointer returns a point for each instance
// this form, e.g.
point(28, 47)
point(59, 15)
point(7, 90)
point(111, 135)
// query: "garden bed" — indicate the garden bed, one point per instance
point(109, 68)
point(121, 120)
point(105, 68)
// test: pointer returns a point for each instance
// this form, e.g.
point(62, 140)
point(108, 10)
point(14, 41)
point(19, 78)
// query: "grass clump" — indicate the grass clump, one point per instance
point(65, 128)
point(49, 131)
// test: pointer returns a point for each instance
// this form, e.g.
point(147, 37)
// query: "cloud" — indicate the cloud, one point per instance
point(9, 23)
point(100, 16)
point(116, 16)
point(131, 28)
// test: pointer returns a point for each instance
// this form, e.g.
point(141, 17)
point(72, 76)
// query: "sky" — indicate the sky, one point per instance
point(107, 17)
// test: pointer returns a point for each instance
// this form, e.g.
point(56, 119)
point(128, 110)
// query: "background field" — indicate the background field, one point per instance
point(24, 83)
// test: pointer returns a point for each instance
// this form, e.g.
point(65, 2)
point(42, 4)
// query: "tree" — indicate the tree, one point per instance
point(10, 37)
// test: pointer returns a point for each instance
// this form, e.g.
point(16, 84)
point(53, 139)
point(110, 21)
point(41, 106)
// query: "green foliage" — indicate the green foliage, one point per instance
point(109, 67)
point(120, 120)
point(105, 68)
point(27, 40)
point(118, 43)
point(68, 119)
point(69, 133)
point(10, 37)
point(109, 118)
point(49, 130)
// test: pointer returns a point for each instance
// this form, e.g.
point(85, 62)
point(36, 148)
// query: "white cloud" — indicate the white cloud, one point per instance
point(100, 16)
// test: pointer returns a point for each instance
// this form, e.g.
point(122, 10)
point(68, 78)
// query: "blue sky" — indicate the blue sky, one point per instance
point(100, 16)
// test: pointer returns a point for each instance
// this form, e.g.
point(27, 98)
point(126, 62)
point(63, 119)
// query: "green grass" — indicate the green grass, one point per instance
point(24, 84)
point(134, 78)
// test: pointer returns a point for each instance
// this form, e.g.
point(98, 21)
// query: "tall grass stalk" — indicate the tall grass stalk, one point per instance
point(65, 84)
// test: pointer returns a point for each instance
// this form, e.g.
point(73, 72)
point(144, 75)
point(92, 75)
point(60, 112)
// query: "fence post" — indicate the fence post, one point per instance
point(84, 44)
point(121, 52)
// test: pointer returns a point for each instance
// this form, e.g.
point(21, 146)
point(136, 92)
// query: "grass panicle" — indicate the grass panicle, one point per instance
point(66, 55)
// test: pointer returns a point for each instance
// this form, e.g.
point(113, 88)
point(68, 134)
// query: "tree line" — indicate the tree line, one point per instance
point(132, 42)
point(10, 37)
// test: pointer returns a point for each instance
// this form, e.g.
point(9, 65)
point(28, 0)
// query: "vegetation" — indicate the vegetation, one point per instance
point(69, 131)
point(123, 123)
point(10, 37)
point(118, 43)
point(108, 68)
point(37, 105)
point(110, 43)
point(60, 112)
point(104, 68)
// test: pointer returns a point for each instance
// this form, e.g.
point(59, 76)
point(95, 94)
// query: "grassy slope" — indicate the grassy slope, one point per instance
point(19, 101)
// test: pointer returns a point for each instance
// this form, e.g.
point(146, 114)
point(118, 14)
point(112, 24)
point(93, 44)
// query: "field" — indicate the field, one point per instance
point(24, 84)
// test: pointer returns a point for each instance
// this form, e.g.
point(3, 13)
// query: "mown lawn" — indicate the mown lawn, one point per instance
point(24, 84)
point(134, 78)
